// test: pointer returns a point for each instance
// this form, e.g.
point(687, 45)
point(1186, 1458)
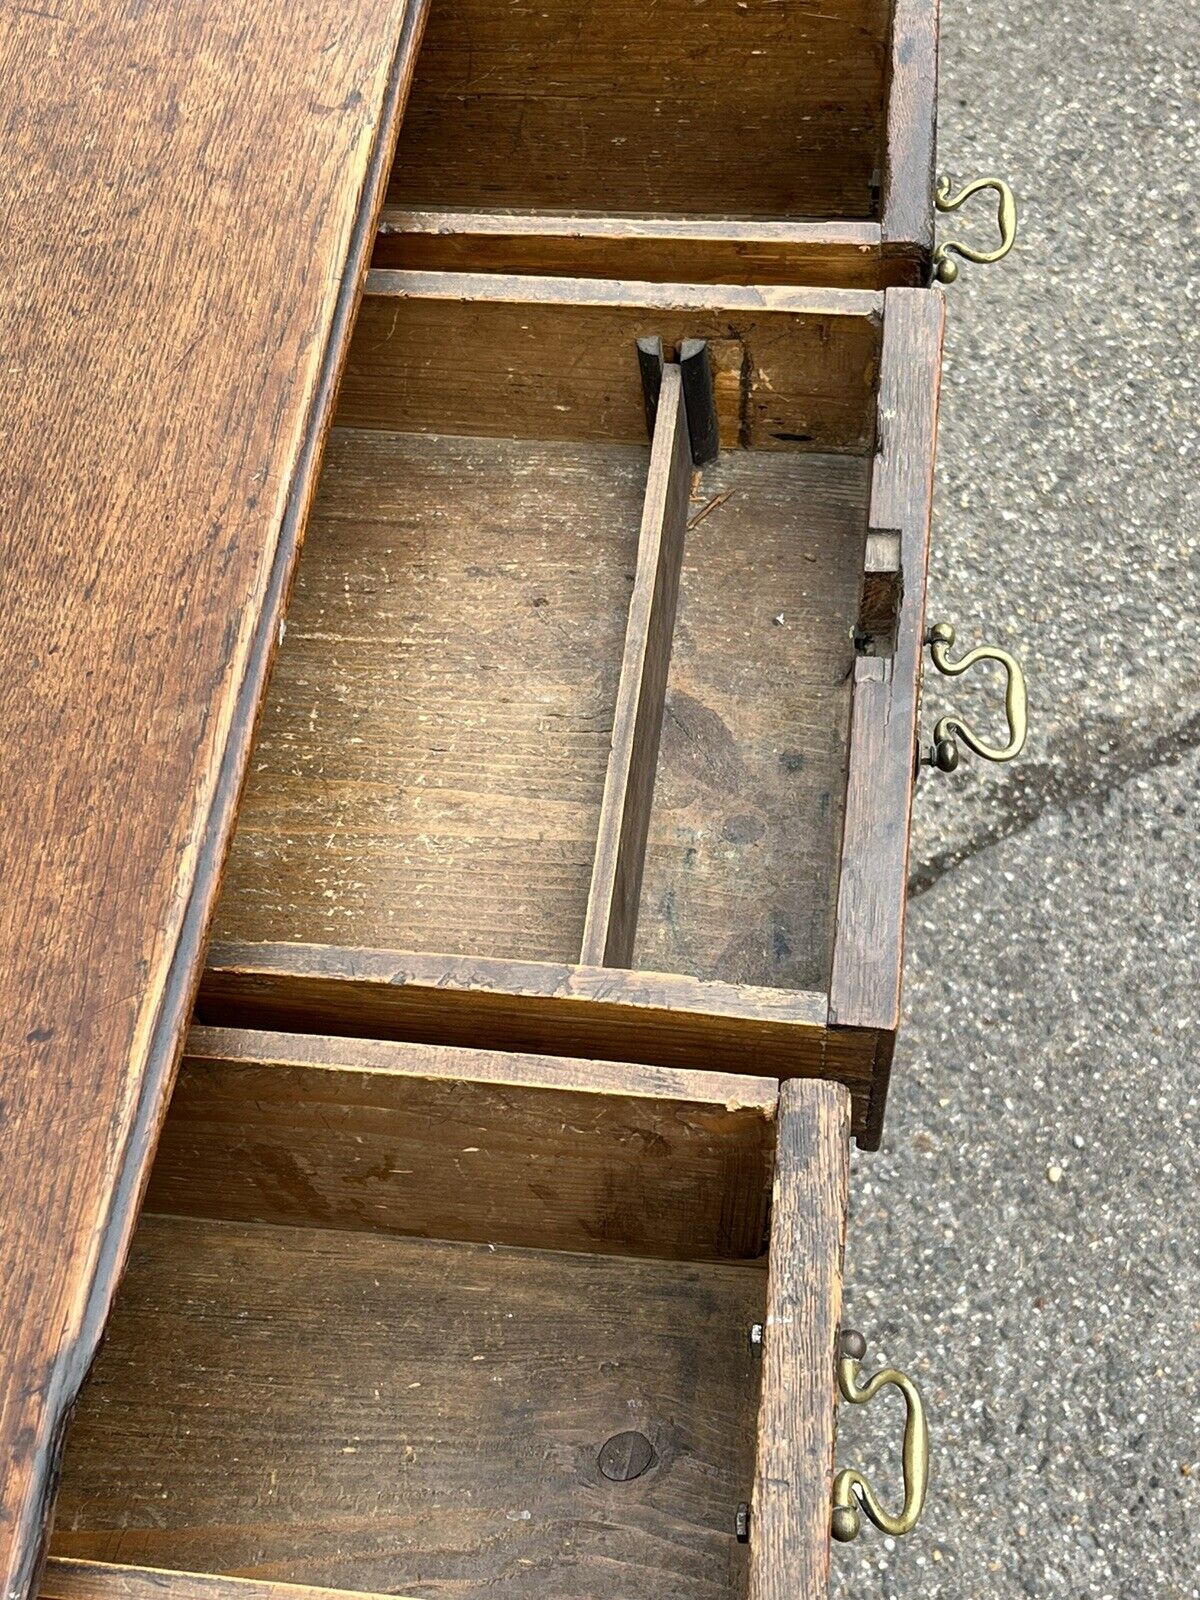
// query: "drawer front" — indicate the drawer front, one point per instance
point(400, 1316)
point(189, 190)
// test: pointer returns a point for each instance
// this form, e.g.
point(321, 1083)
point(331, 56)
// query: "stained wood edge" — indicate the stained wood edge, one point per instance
point(908, 217)
point(868, 946)
point(393, 1058)
point(66, 1579)
point(793, 1482)
point(815, 253)
point(28, 1533)
point(610, 922)
point(534, 289)
point(652, 1019)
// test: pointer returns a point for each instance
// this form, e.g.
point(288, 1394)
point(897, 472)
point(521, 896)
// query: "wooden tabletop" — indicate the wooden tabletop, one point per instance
point(188, 192)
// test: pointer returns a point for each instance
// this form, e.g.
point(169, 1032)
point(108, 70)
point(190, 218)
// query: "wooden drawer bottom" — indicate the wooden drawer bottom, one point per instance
point(405, 1319)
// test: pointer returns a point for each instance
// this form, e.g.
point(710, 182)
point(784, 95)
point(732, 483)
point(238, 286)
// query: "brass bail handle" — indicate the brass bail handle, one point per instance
point(949, 730)
point(852, 1494)
point(944, 269)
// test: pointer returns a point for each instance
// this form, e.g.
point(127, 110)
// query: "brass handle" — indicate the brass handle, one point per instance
point(852, 1494)
point(944, 269)
point(944, 754)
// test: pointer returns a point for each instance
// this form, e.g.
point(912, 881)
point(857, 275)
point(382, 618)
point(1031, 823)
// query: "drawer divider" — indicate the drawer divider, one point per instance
point(612, 909)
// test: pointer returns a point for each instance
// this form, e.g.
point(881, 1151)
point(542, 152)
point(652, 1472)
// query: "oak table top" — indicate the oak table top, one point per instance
point(189, 194)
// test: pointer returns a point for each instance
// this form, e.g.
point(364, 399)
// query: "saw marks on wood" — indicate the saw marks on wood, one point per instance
point(431, 761)
point(432, 755)
point(742, 862)
point(418, 1417)
point(677, 107)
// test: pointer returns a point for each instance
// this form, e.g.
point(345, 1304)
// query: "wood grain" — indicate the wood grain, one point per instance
point(869, 942)
point(613, 897)
point(353, 1411)
point(846, 255)
point(477, 353)
point(431, 760)
point(742, 856)
point(431, 764)
point(793, 1485)
point(908, 215)
point(576, 1012)
point(674, 108)
point(65, 1579)
point(169, 370)
point(466, 1144)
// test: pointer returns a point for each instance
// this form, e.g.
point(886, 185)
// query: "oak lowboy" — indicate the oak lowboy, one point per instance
point(407, 1319)
point(592, 735)
point(571, 746)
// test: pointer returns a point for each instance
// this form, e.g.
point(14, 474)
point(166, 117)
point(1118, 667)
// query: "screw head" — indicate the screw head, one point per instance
point(741, 1523)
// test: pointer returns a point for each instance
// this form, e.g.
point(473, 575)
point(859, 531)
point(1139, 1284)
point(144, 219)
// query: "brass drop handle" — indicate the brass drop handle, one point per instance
point(949, 730)
point(944, 269)
point(852, 1494)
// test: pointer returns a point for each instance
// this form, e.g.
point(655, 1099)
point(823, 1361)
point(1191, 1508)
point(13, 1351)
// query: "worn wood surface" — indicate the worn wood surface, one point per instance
point(793, 1485)
point(613, 897)
point(431, 762)
point(846, 255)
point(674, 108)
point(467, 1144)
point(578, 1012)
point(908, 214)
point(548, 358)
point(341, 1409)
point(65, 1579)
point(869, 942)
point(742, 859)
point(431, 759)
point(168, 371)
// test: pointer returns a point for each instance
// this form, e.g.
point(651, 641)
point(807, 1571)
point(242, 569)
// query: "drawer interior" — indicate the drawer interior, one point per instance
point(430, 773)
point(690, 140)
point(411, 1320)
point(676, 108)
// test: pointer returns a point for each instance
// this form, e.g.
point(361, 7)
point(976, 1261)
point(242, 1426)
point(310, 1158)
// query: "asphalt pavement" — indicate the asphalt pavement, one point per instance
point(1027, 1243)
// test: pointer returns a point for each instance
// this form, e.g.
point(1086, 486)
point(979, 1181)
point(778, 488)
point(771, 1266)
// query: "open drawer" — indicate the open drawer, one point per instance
point(419, 1321)
point(697, 140)
point(461, 825)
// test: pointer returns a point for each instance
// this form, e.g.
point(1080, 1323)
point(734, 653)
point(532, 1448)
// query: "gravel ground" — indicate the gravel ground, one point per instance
point(1027, 1242)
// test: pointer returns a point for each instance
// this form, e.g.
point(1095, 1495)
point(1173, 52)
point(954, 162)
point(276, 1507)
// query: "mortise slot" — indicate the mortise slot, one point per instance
point(882, 593)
